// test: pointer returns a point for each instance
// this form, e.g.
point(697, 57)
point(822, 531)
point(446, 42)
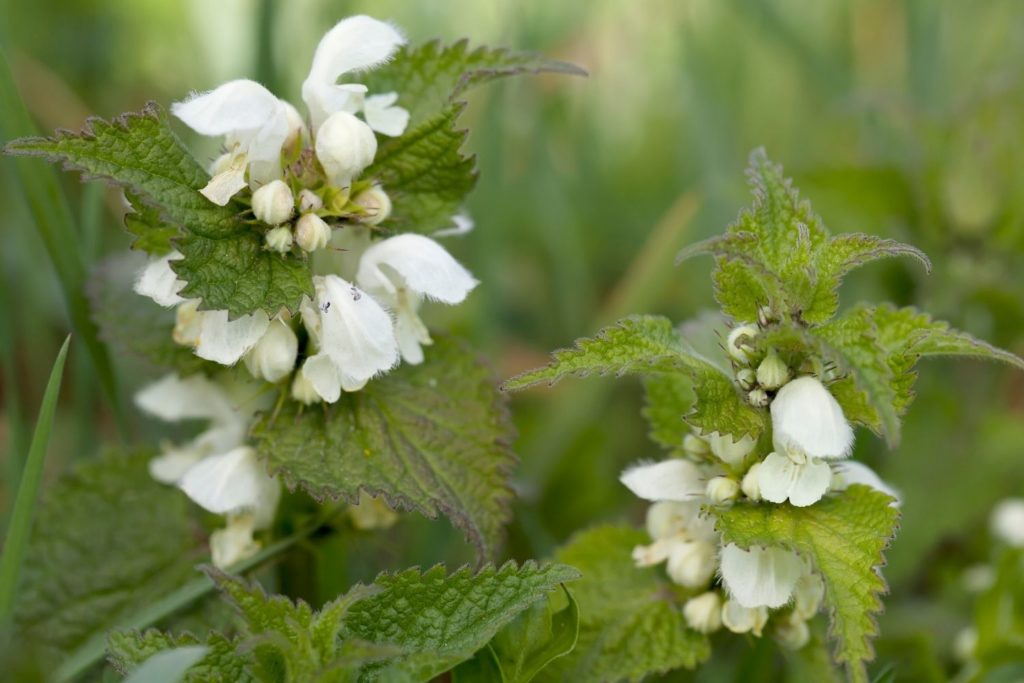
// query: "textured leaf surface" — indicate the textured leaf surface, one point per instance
point(844, 537)
point(225, 263)
point(667, 399)
point(128, 650)
point(133, 324)
point(630, 625)
point(433, 438)
point(545, 631)
point(152, 234)
point(441, 619)
point(107, 538)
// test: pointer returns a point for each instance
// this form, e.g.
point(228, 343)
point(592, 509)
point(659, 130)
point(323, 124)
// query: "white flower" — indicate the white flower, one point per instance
point(740, 619)
point(807, 419)
point(666, 518)
point(234, 542)
point(174, 399)
point(273, 356)
point(792, 632)
point(303, 390)
point(751, 484)
point(462, 224)
point(691, 563)
point(760, 576)
point(255, 124)
point(355, 337)
point(848, 472)
point(1008, 522)
point(722, 490)
point(675, 480)
point(273, 203)
point(704, 612)
point(157, 281)
point(354, 44)
point(344, 146)
point(232, 482)
point(739, 341)
point(730, 450)
point(808, 594)
point(312, 232)
point(376, 205)
point(801, 480)
point(279, 239)
point(401, 271)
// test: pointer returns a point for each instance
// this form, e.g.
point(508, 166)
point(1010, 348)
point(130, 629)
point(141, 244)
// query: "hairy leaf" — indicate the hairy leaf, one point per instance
point(225, 265)
point(152, 234)
point(442, 620)
point(133, 324)
point(433, 437)
point(668, 398)
point(107, 538)
point(223, 663)
point(843, 536)
point(547, 630)
point(630, 625)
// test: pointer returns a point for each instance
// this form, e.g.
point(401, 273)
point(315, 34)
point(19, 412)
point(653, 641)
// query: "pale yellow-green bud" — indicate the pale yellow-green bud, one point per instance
point(703, 613)
point(773, 372)
point(311, 232)
point(792, 632)
point(722, 490)
point(694, 445)
point(739, 343)
point(273, 357)
point(746, 378)
point(758, 398)
point(302, 389)
point(345, 146)
point(375, 203)
point(751, 484)
point(279, 239)
point(273, 203)
point(692, 563)
point(740, 619)
point(309, 201)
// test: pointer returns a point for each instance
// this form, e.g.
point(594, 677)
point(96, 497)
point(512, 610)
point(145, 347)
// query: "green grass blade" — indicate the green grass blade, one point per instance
point(41, 189)
point(169, 666)
point(20, 525)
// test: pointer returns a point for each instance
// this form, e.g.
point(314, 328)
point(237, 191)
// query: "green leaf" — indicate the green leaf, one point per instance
point(107, 539)
point(442, 620)
point(151, 233)
point(433, 437)
point(429, 78)
point(535, 638)
point(19, 527)
point(225, 264)
point(630, 624)
point(667, 399)
point(425, 174)
point(170, 666)
point(843, 536)
point(133, 324)
point(128, 652)
point(650, 345)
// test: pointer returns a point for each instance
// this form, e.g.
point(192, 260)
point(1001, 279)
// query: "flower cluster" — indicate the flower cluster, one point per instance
point(810, 441)
point(300, 180)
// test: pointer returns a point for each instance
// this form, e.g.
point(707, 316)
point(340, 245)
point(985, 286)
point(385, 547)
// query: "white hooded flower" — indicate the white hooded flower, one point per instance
point(730, 450)
point(1008, 522)
point(760, 576)
point(273, 356)
point(801, 480)
point(691, 563)
point(344, 146)
point(255, 125)
point(157, 281)
point(401, 271)
point(234, 542)
point(849, 472)
point(232, 482)
point(740, 619)
point(354, 44)
point(354, 335)
point(704, 612)
point(669, 480)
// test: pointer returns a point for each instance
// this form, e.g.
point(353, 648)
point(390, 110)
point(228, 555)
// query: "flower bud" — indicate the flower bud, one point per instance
point(722, 490)
point(375, 203)
point(704, 612)
point(311, 232)
point(694, 445)
point(273, 203)
point(279, 239)
point(371, 513)
point(666, 518)
point(692, 563)
point(309, 201)
point(221, 163)
point(1008, 522)
point(792, 633)
point(758, 398)
point(746, 378)
point(740, 619)
point(345, 146)
point(765, 316)
point(751, 484)
point(808, 593)
point(302, 389)
point(739, 342)
point(965, 643)
point(729, 450)
point(773, 372)
point(273, 357)
point(234, 542)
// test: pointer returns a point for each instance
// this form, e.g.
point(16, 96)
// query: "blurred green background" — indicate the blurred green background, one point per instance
point(895, 117)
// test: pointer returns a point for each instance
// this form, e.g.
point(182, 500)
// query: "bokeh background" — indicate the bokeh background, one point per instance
point(895, 117)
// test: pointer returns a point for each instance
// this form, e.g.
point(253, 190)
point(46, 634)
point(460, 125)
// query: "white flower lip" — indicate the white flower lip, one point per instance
point(421, 265)
point(849, 472)
point(803, 484)
point(807, 419)
point(231, 482)
point(676, 479)
point(157, 281)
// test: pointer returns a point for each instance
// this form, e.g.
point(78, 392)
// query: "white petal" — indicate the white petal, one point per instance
point(850, 472)
point(224, 341)
point(323, 375)
point(157, 281)
point(355, 43)
point(462, 223)
point(675, 479)
point(412, 335)
point(170, 466)
point(807, 419)
point(241, 105)
point(383, 117)
point(226, 184)
point(234, 542)
point(422, 265)
point(1008, 522)
point(273, 356)
point(173, 399)
point(230, 482)
point(779, 479)
point(357, 334)
point(760, 577)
